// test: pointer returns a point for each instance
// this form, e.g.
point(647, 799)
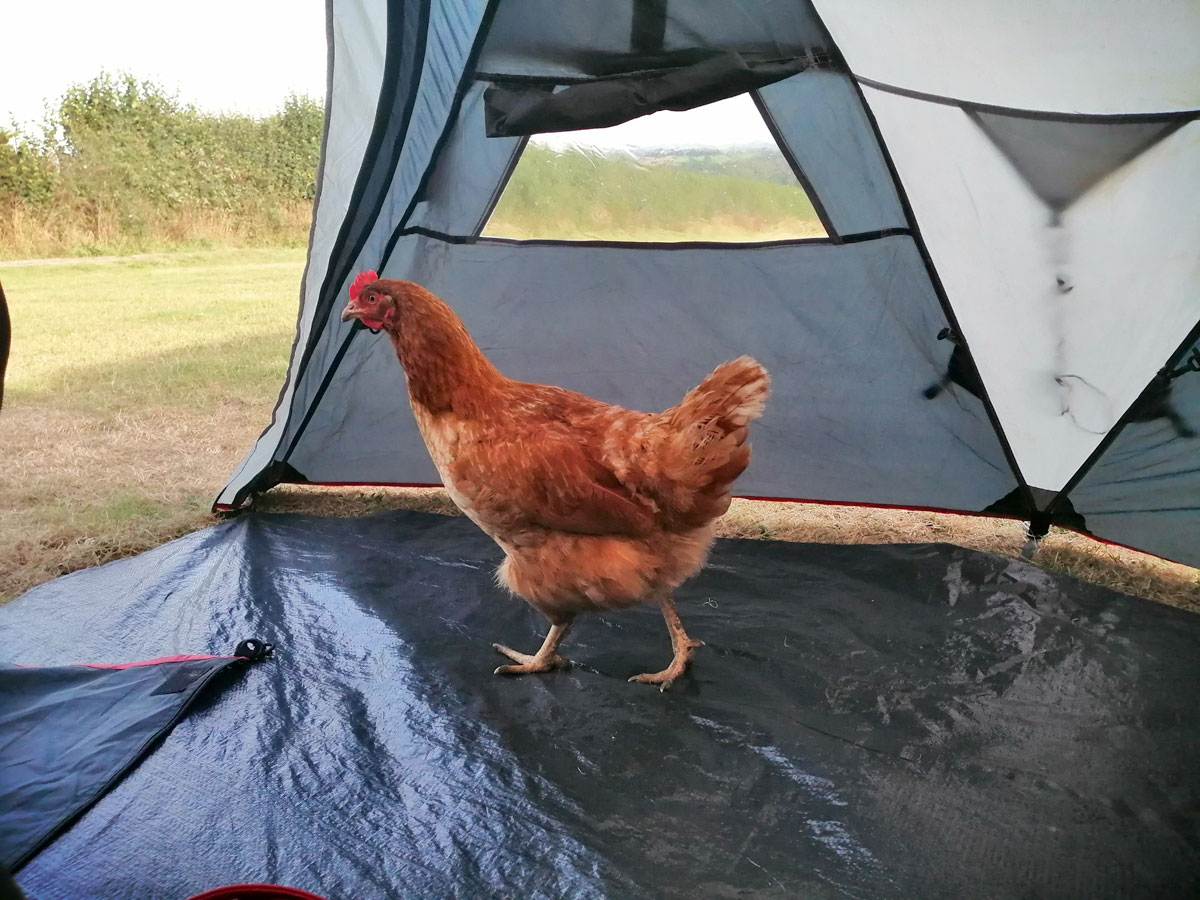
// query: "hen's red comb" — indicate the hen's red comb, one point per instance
point(363, 279)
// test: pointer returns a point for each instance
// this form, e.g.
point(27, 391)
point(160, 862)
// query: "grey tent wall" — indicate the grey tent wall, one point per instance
point(821, 121)
point(841, 327)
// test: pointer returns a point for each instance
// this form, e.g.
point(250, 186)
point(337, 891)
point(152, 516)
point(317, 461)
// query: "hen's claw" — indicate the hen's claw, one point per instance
point(663, 679)
point(666, 678)
point(529, 663)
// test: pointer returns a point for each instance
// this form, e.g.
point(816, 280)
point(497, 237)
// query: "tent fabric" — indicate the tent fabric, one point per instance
point(1060, 289)
point(1039, 216)
point(661, 332)
point(826, 130)
point(68, 733)
point(1114, 57)
point(564, 42)
point(1141, 488)
point(1061, 159)
point(864, 721)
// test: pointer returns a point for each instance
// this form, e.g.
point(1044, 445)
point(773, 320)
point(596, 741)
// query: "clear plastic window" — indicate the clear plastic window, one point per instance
point(713, 173)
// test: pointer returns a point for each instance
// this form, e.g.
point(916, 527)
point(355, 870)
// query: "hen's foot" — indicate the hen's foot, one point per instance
point(529, 663)
point(542, 661)
point(665, 678)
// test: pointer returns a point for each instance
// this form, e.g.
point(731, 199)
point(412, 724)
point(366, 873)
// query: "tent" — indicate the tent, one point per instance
point(1003, 315)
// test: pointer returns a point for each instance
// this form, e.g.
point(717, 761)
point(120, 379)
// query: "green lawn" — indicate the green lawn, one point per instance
point(174, 328)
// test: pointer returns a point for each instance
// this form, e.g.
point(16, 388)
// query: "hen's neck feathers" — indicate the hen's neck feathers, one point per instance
point(447, 372)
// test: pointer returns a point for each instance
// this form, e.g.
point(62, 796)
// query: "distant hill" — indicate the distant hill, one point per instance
point(754, 163)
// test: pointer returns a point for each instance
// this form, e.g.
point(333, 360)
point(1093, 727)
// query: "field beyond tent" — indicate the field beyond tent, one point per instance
point(136, 384)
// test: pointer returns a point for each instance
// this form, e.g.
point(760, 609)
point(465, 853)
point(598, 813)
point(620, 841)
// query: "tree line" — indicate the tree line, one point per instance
point(125, 163)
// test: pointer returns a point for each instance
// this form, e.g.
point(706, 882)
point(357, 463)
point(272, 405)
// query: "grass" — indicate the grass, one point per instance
point(26, 232)
point(136, 385)
point(588, 196)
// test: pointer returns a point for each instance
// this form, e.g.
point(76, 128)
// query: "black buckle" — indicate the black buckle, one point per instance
point(254, 649)
point(1191, 364)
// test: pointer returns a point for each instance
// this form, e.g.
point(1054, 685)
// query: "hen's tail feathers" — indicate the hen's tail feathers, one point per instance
point(707, 447)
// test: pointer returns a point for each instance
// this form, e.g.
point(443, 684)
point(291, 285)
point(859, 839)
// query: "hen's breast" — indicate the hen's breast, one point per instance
point(444, 436)
point(566, 574)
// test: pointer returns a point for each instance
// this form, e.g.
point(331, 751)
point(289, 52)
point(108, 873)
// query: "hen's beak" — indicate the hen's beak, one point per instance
point(350, 312)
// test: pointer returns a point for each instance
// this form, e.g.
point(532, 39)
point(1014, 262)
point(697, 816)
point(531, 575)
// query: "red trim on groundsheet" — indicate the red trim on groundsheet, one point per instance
point(255, 892)
point(157, 661)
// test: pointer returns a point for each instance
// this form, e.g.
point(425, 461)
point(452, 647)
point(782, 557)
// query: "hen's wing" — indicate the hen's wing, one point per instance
point(549, 477)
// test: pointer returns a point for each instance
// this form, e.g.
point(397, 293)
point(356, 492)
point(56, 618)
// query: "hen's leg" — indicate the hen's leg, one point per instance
point(681, 644)
point(542, 661)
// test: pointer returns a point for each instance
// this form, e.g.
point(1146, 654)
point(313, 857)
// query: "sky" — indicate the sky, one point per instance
point(735, 122)
point(219, 55)
point(246, 56)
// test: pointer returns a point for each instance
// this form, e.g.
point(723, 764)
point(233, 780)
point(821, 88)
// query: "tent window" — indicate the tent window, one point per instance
point(713, 173)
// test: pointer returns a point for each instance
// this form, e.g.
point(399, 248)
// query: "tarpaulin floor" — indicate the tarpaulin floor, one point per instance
point(865, 721)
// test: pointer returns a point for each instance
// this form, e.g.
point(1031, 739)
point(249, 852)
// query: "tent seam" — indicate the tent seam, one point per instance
point(837, 240)
point(973, 106)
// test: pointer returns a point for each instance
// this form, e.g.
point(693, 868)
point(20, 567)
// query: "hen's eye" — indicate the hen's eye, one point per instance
point(372, 299)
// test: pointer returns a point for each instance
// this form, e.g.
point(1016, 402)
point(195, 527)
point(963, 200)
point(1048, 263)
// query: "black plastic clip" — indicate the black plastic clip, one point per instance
point(1191, 364)
point(254, 650)
point(359, 324)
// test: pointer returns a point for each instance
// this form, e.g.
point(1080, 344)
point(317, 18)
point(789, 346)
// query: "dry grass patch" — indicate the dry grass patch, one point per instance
point(26, 232)
point(1062, 551)
point(79, 489)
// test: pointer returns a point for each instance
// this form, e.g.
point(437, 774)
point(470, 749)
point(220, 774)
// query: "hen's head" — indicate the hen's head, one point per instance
point(372, 303)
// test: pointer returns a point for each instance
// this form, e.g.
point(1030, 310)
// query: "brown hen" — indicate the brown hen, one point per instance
point(596, 507)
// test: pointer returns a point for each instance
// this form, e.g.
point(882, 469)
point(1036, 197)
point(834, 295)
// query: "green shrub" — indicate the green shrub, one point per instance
point(123, 164)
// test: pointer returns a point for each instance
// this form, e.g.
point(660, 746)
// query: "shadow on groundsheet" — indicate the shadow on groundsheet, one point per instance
point(865, 721)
